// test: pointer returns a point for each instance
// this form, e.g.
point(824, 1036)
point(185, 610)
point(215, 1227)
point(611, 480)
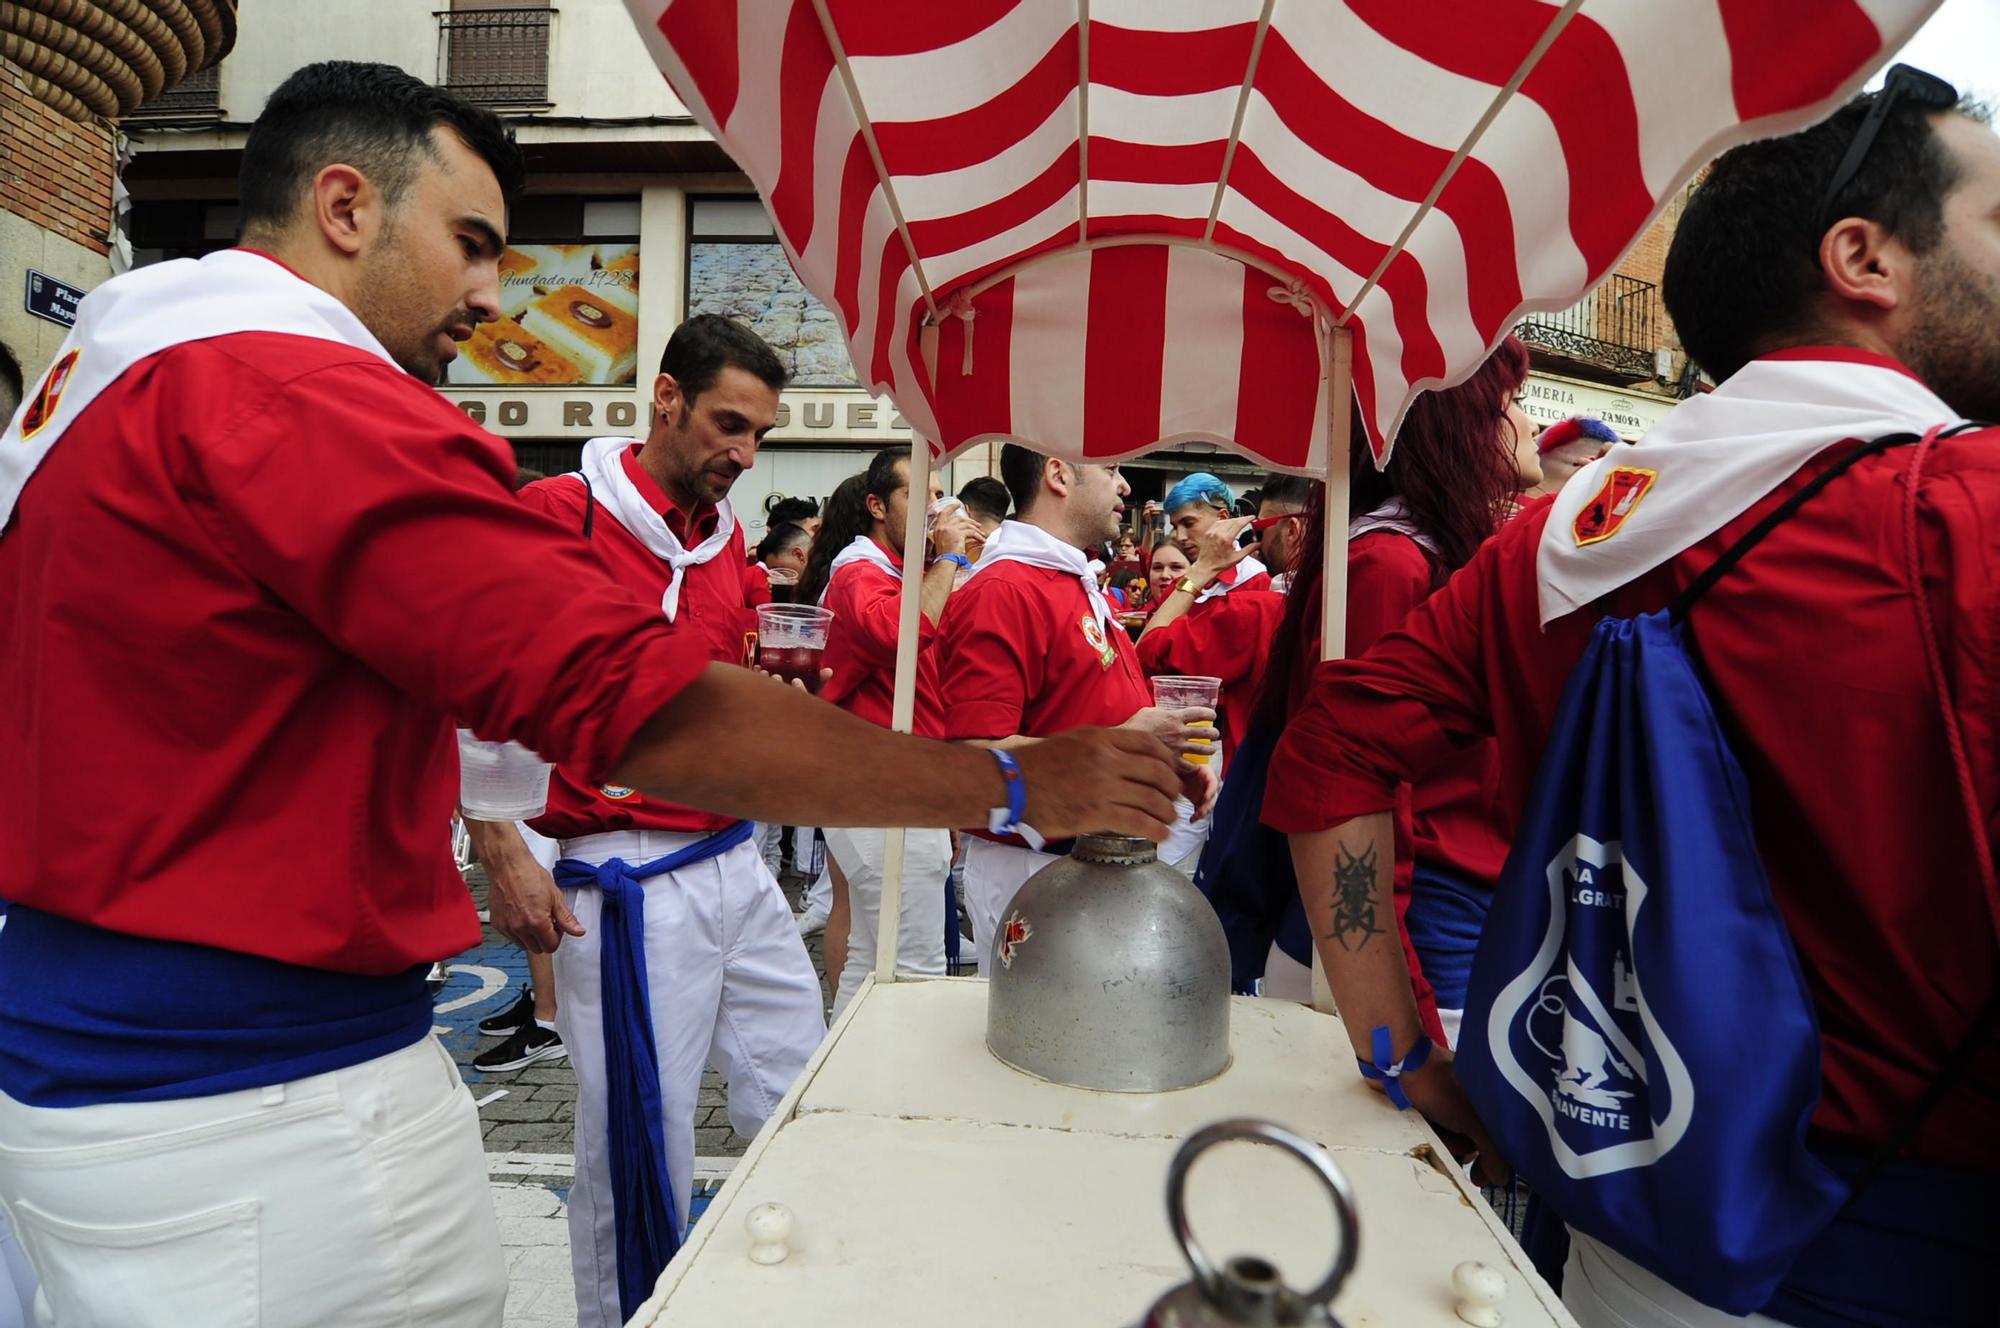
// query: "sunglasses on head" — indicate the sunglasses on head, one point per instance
point(1905, 83)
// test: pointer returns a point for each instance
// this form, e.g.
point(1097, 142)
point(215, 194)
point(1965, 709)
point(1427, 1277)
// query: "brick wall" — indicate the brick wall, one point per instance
point(54, 172)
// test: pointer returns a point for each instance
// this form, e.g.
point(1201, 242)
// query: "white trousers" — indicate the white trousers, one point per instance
point(730, 985)
point(17, 1282)
point(770, 841)
point(1604, 1289)
point(920, 935)
point(357, 1197)
point(1182, 847)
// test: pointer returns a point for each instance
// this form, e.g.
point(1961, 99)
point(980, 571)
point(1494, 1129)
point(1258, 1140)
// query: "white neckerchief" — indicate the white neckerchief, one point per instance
point(1392, 515)
point(137, 315)
point(603, 471)
point(1019, 542)
point(861, 549)
point(1247, 570)
point(1712, 458)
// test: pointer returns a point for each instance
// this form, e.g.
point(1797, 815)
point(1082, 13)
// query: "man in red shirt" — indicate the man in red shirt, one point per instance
point(864, 591)
point(1029, 647)
point(728, 979)
point(1218, 621)
point(1830, 312)
point(252, 567)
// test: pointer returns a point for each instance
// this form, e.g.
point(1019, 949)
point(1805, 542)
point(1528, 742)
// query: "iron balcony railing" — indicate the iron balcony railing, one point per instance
point(497, 57)
point(1617, 327)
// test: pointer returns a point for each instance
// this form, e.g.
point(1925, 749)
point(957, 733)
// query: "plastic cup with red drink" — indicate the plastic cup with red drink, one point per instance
point(791, 641)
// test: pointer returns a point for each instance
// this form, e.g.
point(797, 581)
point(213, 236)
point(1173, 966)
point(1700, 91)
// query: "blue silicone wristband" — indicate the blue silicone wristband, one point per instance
point(958, 558)
point(1390, 1073)
point(1017, 796)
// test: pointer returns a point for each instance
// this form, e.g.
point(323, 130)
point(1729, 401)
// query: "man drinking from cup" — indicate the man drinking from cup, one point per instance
point(1219, 618)
point(726, 976)
point(1030, 647)
point(864, 592)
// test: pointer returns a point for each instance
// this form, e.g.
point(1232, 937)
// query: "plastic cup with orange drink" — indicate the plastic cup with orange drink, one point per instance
point(1178, 692)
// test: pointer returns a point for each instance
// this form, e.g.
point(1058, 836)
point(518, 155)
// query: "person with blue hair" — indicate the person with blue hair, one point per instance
point(1568, 447)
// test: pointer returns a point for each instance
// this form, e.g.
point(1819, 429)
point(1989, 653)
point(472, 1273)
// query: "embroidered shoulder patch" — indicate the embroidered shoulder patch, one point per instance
point(1607, 511)
point(43, 407)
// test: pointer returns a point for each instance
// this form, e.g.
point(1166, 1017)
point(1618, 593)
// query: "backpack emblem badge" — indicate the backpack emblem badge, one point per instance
point(1572, 1034)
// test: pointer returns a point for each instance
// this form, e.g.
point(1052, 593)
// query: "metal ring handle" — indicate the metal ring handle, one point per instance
point(1263, 1132)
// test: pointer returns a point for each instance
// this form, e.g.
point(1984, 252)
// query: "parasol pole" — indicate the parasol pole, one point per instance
point(1333, 571)
point(902, 714)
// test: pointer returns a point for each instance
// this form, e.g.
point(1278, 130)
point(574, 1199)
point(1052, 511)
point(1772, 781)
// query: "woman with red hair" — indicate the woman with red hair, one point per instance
point(1461, 457)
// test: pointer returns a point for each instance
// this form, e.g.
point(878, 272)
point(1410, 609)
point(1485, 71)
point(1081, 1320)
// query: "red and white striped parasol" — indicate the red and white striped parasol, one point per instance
point(1099, 226)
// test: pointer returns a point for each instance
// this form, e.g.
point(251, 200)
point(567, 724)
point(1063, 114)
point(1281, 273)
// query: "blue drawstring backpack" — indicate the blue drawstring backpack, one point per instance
point(1638, 1035)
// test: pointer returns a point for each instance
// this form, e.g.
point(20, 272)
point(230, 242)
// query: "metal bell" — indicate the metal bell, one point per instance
point(1110, 971)
point(1247, 1291)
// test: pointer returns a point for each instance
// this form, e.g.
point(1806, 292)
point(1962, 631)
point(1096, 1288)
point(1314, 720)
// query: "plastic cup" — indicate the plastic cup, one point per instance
point(791, 641)
point(1177, 692)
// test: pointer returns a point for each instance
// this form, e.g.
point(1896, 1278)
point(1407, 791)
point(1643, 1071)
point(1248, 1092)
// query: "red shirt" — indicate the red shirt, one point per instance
point(246, 595)
point(866, 602)
point(757, 585)
point(715, 618)
point(1020, 652)
point(1456, 820)
point(1228, 637)
point(1816, 668)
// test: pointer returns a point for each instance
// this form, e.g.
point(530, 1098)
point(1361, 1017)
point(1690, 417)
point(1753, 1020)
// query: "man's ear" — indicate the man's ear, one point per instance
point(667, 398)
point(346, 207)
point(1057, 475)
point(1863, 263)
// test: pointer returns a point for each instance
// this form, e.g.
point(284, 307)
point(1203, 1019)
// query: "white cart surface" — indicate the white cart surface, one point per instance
point(930, 1184)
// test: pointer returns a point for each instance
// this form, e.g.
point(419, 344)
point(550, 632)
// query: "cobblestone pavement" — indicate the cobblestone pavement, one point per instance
point(527, 1117)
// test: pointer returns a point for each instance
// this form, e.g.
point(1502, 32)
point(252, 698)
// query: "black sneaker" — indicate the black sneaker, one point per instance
point(519, 1015)
point(526, 1047)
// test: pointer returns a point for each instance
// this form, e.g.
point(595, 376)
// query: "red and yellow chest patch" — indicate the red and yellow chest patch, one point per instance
point(43, 408)
point(1612, 505)
point(1107, 654)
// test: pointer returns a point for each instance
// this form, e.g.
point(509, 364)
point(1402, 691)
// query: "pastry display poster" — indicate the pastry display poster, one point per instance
point(753, 282)
point(569, 317)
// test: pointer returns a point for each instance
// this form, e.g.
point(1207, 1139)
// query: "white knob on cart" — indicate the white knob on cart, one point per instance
point(770, 1227)
point(1480, 1290)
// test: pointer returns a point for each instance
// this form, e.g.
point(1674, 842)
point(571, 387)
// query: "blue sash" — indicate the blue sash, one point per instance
point(642, 1193)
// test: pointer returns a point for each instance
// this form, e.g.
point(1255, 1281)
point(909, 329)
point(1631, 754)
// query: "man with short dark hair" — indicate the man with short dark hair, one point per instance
point(1843, 285)
point(252, 566)
point(1030, 647)
point(989, 503)
point(727, 979)
point(1217, 620)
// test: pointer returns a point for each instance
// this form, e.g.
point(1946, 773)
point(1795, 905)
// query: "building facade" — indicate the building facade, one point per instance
point(68, 74)
point(633, 219)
